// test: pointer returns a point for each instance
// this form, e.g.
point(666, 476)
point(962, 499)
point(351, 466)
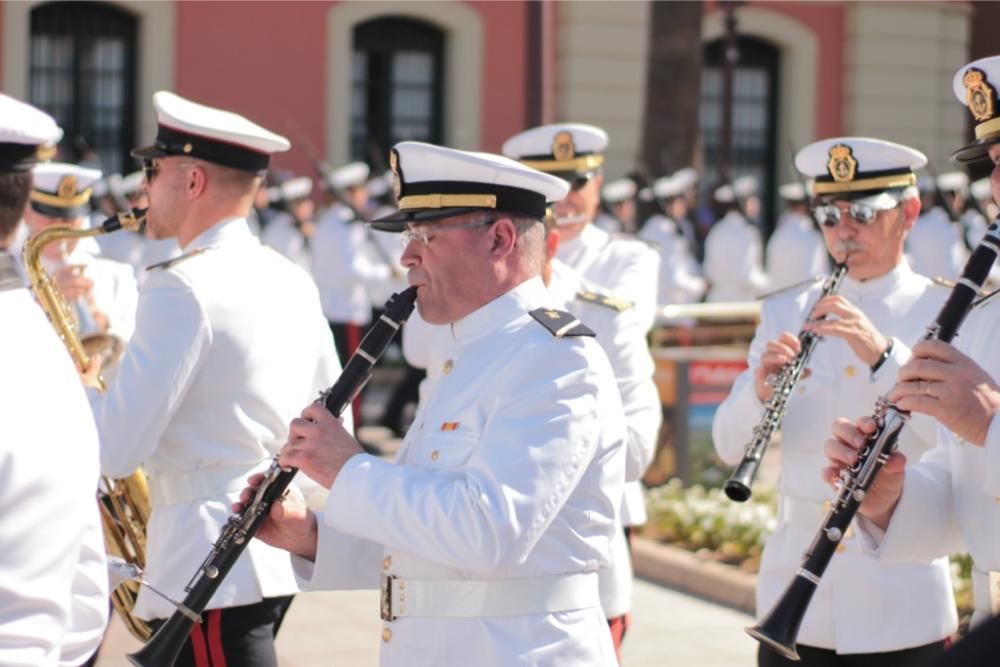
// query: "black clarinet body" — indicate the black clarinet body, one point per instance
point(737, 487)
point(164, 647)
point(780, 627)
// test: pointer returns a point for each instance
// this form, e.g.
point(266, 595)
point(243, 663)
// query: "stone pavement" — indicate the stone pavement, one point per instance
point(342, 628)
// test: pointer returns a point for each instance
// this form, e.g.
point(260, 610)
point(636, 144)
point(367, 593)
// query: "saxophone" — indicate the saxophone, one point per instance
point(124, 503)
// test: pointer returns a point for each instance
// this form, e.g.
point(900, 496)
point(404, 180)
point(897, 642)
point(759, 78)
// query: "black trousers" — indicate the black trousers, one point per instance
point(821, 657)
point(235, 636)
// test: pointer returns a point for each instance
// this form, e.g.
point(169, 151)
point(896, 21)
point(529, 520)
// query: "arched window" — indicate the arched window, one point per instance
point(755, 112)
point(397, 86)
point(82, 71)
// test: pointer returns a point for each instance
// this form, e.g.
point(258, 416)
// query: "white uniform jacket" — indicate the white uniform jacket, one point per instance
point(951, 497)
point(343, 267)
point(935, 246)
point(229, 346)
point(796, 251)
point(623, 266)
point(733, 260)
point(861, 605)
point(513, 469)
point(285, 236)
point(53, 574)
point(680, 273)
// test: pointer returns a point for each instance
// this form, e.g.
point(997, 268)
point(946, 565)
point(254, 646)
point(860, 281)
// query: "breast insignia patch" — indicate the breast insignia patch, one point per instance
point(604, 300)
point(560, 323)
point(175, 260)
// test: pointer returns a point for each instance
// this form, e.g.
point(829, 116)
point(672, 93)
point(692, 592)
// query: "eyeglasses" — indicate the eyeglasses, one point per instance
point(150, 168)
point(579, 181)
point(829, 215)
point(421, 232)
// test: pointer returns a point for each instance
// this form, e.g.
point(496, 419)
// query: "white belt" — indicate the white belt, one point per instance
point(183, 487)
point(986, 594)
point(471, 598)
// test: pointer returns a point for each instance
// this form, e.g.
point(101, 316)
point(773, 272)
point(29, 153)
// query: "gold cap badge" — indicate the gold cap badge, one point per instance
point(563, 147)
point(67, 187)
point(842, 164)
point(979, 95)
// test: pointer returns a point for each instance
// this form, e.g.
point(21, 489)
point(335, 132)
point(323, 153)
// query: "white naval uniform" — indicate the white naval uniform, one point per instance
point(625, 267)
point(511, 472)
point(680, 273)
point(285, 236)
point(53, 573)
point(861, 605)
point(934, 246)
point(733, 260)
point(343, 267)
point(229, 346)
point(951, 497)
point(796, 251)
point(623, 339)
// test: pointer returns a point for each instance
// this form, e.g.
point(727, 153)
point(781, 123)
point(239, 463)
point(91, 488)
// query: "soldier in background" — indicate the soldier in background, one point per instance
point(290, 232)
point(733, 251)
point(795, 251)
point(680, 274)
point(617, 213)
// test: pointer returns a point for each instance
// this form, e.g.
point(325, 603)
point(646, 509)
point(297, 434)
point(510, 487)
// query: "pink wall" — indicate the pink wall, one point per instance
point(264, 58)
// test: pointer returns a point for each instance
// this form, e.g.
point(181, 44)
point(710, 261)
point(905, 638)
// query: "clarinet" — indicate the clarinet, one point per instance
point(738, 485)
point(164, 647)
point(780, 627)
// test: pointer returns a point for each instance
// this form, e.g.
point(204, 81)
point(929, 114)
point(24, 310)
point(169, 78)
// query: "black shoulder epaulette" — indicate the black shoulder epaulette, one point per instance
point(560, 323)
point(174, 260)
point(809, 282)
point(604, 300)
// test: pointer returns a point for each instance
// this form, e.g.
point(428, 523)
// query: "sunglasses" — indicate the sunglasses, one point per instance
point(829, 215)
point(150, 168)
point(423, 233)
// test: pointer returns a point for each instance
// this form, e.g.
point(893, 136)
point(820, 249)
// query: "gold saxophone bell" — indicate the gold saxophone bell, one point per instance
point(123, 503)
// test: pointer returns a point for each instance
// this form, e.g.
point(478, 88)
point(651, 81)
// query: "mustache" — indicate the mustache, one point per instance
point(846, 246)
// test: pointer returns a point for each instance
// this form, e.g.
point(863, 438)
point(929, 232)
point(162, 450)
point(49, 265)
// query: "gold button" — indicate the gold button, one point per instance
point(386, 562)
point(850, 371)
point(402, 609)
point(802, 389)
point(401, 584)
point(386, 634)
point(402, 596)
point(435, 455)
point(841, 548)
point(448, 365)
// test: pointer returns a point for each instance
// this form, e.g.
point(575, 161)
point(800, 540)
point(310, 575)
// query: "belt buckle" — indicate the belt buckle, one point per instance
point(385, 606)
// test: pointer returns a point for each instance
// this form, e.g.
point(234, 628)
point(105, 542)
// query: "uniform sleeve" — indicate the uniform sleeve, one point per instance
point(732, 427)
point(992, 446)
point(89, 607)
point(343, 562)
point(489, 512)
point(121, 318)
point(923, 526)
point(171, 340)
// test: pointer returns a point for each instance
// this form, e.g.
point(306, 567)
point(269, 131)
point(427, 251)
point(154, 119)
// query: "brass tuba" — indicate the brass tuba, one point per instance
point(124, 503)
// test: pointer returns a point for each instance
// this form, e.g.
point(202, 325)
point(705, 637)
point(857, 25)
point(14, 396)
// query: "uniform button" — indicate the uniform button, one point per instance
point(850, 371)
point(448, 365)
point(435, 455)
point(386, 634)
point(386, 562)
point(802, 389)
point(401, 584)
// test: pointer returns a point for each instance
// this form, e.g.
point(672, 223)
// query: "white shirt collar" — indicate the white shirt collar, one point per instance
point(224, 231)
point(880, 286)
point(501, 311)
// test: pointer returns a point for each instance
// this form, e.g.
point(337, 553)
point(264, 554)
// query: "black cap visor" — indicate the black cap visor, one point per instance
point(976, 151)
point(397, 220)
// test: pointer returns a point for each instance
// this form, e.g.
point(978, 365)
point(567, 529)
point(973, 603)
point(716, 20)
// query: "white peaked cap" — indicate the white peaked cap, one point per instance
point(981, 189)
point(852, 167)
point(741, 187)
point(953, 181)
point(62, 190)
point(348, 176)
point(432, 182)
point(793, 191)
point(617, 191)
point(23, 129)
point(566, 149)
point(214, 135)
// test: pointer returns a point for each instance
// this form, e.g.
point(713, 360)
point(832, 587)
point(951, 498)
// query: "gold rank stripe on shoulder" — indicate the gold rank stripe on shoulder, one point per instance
point(560, 323)
point(604, 300)
point(174, 260)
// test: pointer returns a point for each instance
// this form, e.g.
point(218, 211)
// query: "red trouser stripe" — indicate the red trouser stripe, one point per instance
point(199, 647)
point(215, 638)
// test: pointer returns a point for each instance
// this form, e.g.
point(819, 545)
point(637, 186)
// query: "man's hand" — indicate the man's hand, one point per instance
point(778, 352)
point(289, 526)
point(72, 282)
point(319, 445)
point(842, 452)
point(91, 375)
point(848, 324)
point(943, 383)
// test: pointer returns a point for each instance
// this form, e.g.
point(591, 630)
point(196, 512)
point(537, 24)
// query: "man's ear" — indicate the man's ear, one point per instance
point(911, 211)
point(197, 182)
point(504, 235)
